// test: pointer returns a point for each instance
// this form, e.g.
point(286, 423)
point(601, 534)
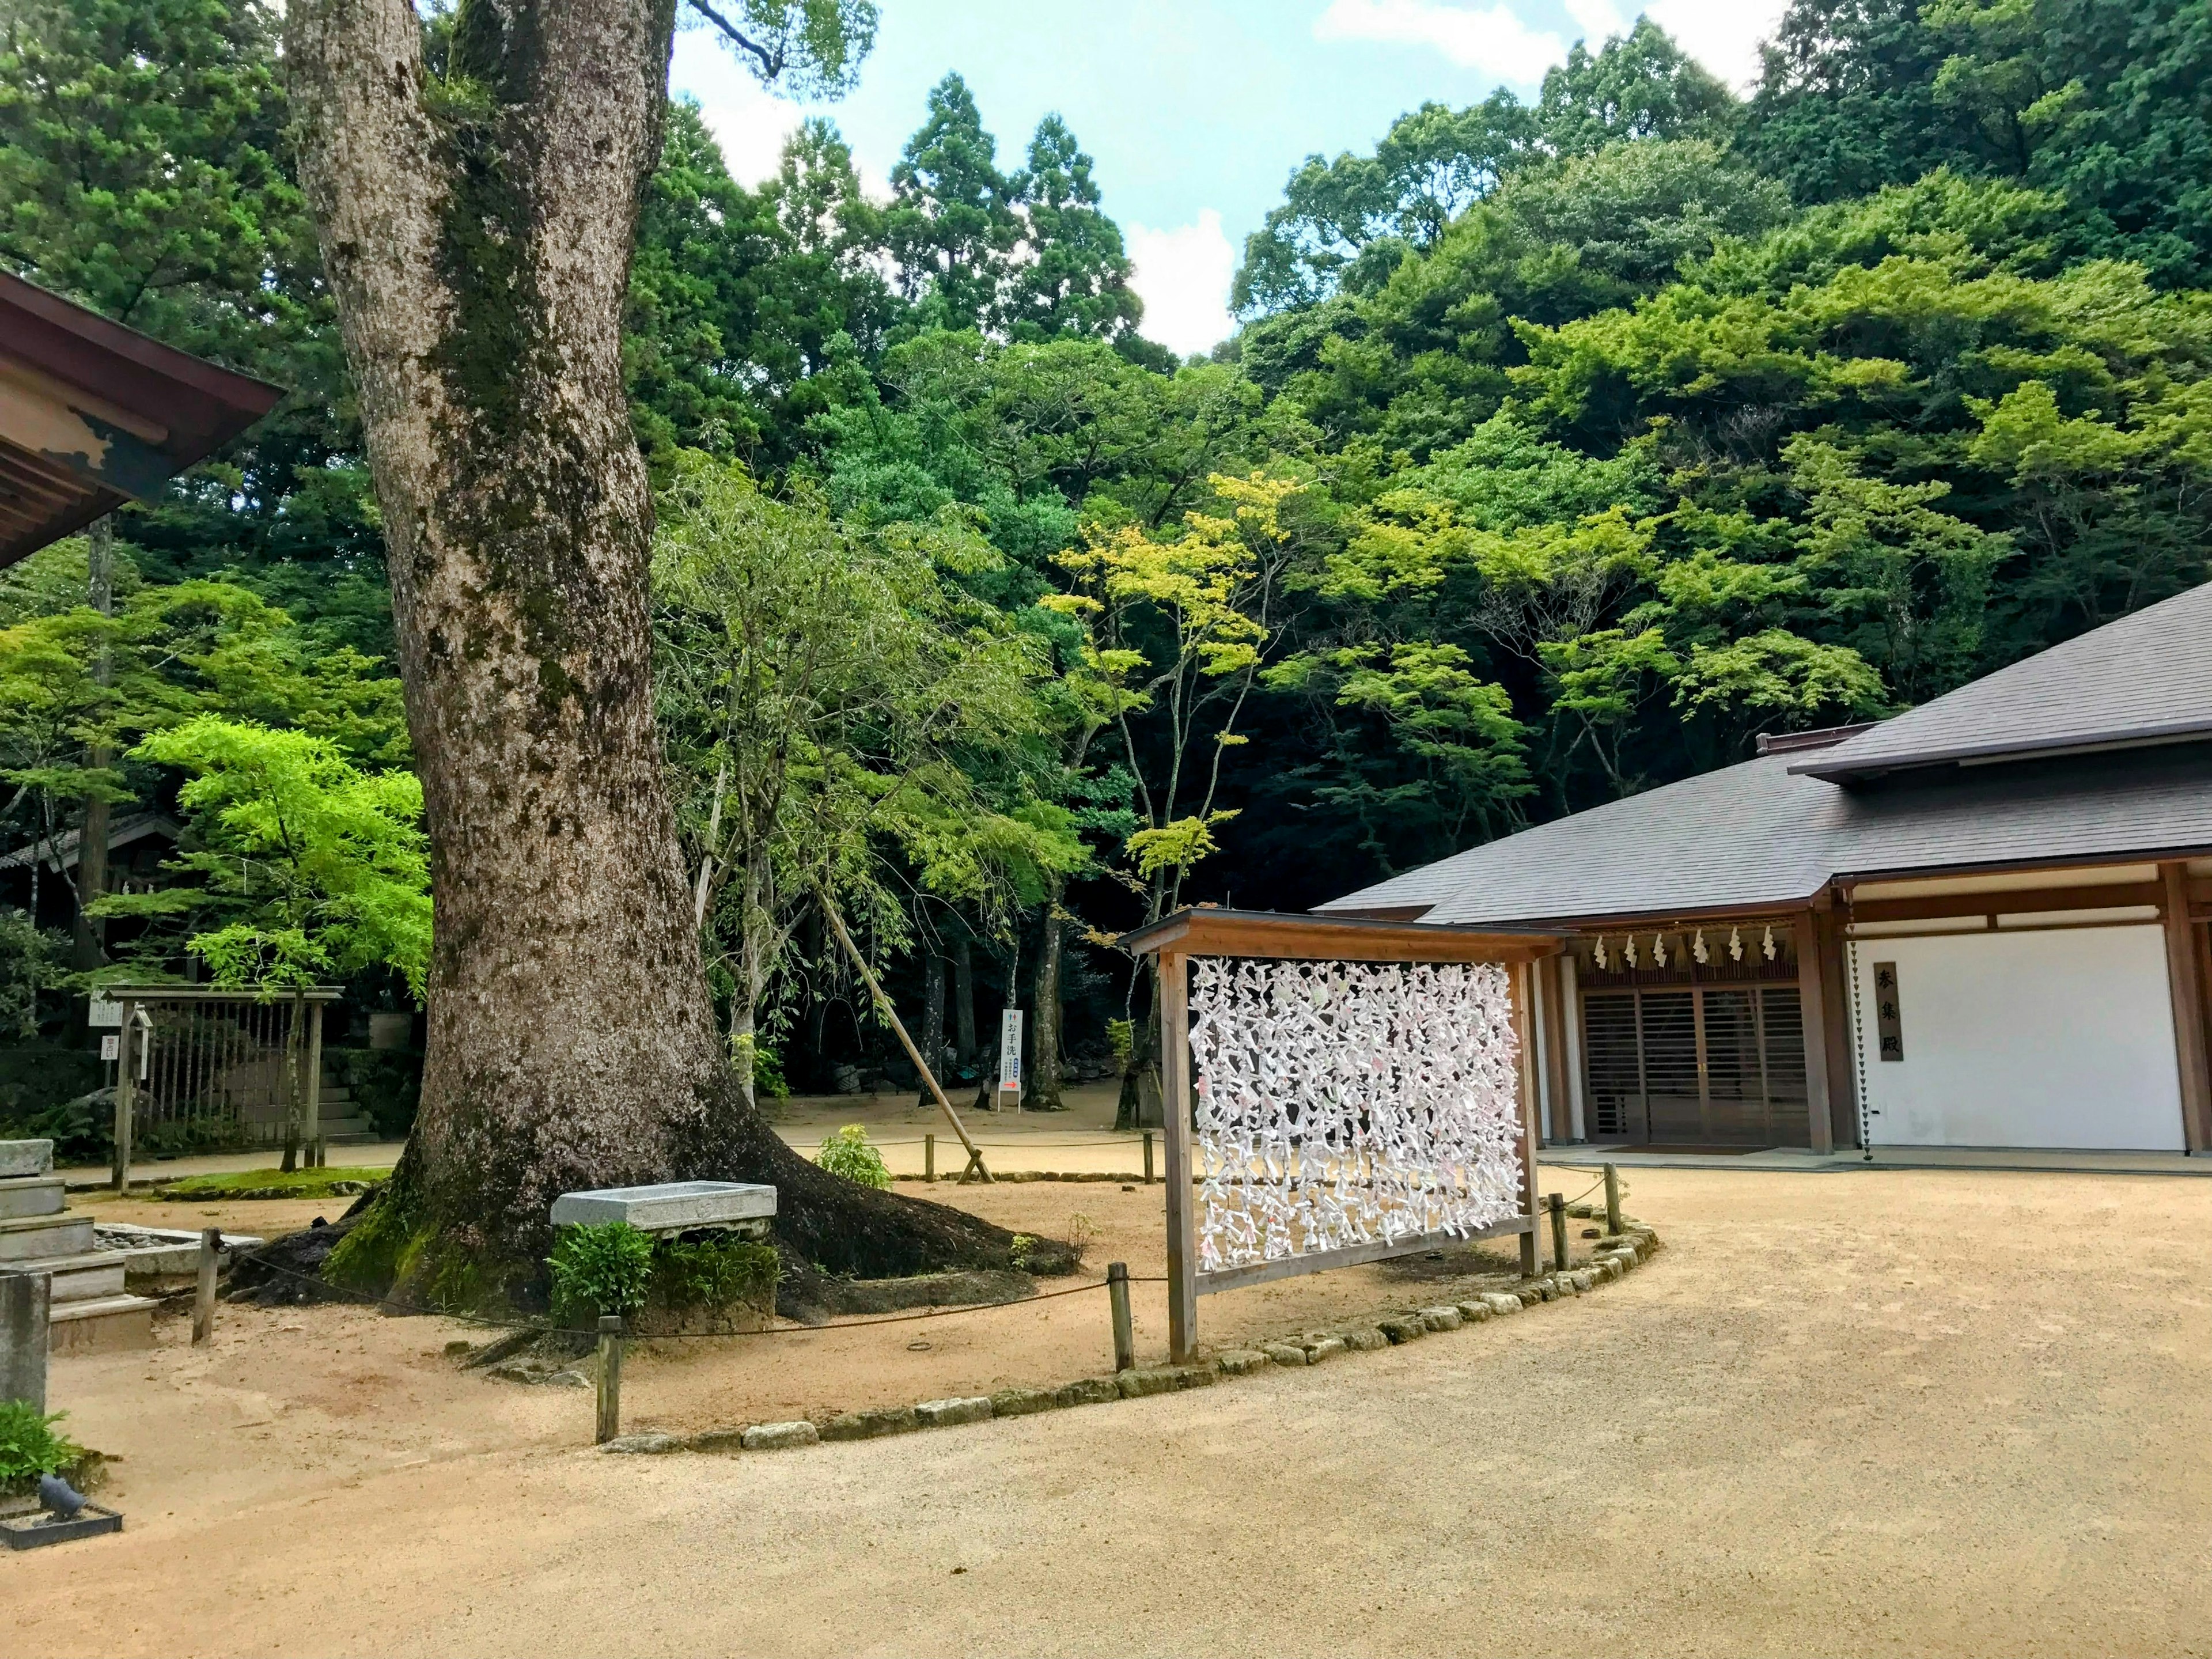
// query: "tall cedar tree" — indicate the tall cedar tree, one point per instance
point(476, 229)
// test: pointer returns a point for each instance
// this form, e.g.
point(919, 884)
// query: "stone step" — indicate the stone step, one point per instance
point(106, 1324)
point(26, 1158)
point(81, 1277)
point(28, 1237)
point(22, 1195)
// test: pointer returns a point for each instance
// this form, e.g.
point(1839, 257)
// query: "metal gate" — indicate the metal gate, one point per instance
point(1705, 1066)
point(202, 1069)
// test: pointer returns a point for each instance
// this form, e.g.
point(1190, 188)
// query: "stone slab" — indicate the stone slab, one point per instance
point(1474, 1313)
point(1022, 1402)
point(1441, 1319)
point(26, 1158)
point(162, 1252)
point(779, 1436)
point(871, 1424)
point(33, 1236)
point(24, 1312)
point(1500, 1303)
point(667, 1206)
point(1283, 1353)
point(1240, 1362)
point(22, 1195)
point(946, 1414)
point(1403, 1327)
point(1087, 1391)
point(108, 1324)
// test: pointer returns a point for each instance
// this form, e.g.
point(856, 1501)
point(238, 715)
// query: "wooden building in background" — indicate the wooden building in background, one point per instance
point(1982, 923)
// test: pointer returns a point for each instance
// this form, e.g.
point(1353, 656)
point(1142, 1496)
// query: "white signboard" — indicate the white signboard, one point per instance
point(111, 1046)
point(105, 1013)
point(1010, 1057)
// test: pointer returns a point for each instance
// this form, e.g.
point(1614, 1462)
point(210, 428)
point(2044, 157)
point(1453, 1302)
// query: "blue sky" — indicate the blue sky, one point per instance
point(1196, 111)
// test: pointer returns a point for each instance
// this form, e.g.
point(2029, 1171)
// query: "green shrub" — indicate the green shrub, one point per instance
point(768, 1073)
point(847, 1153)
point(606, 1268)
point(28, 1445)
point(717, 1272)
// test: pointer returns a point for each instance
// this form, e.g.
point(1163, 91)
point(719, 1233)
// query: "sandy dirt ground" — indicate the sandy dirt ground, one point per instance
point(1919, 1412)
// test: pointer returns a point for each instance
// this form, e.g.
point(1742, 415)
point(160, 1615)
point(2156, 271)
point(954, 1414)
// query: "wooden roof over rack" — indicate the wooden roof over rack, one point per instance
point(1278, 935)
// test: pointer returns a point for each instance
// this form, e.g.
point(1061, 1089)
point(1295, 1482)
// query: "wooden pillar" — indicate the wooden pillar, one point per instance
point(1577, 1061)
point(2188, 992)
point(1813, 1016)
point(1835, 1001)
point(313, 1113)
point(1550, 1005)
point(1174, 1108)
point(1520, 978)
point(125, 1081)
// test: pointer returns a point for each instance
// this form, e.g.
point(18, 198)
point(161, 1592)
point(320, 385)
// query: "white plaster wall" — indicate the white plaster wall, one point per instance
point(2062, 1038)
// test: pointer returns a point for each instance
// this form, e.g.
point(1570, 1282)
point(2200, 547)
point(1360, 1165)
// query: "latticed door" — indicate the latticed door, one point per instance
point(1714, 1065)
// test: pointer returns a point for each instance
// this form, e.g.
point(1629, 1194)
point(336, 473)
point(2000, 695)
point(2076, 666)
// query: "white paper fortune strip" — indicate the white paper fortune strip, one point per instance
point(1345, 1103)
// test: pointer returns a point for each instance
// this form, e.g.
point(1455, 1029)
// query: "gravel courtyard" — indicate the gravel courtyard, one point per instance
point(1926, 1412)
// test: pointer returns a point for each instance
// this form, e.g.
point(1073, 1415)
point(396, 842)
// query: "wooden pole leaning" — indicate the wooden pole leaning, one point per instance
point(1612, 1200)
point(1175, 1112)
point(975, 1171)
point(1521, 973)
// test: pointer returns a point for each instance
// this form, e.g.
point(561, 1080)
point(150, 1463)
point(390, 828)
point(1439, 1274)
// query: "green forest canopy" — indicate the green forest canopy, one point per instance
point(1594, 437)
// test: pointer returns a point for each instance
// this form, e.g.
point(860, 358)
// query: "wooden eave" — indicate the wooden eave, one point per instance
point(1280, 936)
point(93, 414)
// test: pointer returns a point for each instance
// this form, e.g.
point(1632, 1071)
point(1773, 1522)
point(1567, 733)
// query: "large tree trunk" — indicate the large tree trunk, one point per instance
point(476, 236)
point(1043, 1077)
point(964, 998)
point(932, 1037)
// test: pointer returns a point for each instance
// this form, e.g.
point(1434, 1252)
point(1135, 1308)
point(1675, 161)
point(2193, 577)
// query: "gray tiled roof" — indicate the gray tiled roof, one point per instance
point(1757, 835)
point(2147, 676)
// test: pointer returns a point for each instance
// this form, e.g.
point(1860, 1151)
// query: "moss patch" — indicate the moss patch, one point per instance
point(336, 1181)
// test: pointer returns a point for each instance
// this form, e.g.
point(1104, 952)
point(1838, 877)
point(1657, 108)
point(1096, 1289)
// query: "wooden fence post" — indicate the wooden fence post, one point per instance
point(1125, 1335)
point(1148, 1158)
point(929, 1157)
point(204, 1292)
point(1612, 1200)
point(1557, 1203)
point(123, 1083)
point(610, 1358)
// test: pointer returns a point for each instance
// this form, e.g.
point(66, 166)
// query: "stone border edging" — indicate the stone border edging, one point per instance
point(1617, 1255)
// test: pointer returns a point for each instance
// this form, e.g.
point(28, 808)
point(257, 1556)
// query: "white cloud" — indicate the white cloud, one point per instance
point(1183, 277)
point(1722, 34)
point(749, 122)
point(1598, 19)
point(1493, 39)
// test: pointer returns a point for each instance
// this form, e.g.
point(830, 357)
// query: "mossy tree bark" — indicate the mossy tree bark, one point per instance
point(475, 230)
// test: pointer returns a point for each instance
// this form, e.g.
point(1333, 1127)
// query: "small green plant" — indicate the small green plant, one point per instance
point(713, 1273)
point(1019, 1251)
point(602, 1268)
point(29, 1447)
point(1122, 1038)
point(847, 1153)
point(768, 1073)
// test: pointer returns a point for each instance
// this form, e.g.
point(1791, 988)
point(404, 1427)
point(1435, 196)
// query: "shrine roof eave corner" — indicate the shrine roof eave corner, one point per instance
point(1287, 936)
